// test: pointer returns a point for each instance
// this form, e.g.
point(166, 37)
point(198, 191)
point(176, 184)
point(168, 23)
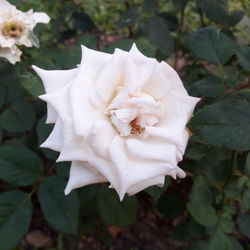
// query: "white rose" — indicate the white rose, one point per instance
point(16, 28)
point(119, 118)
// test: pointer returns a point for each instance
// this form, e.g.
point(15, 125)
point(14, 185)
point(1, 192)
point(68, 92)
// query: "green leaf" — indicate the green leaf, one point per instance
point(200, 202)
point(3, 95)
point(220, 241)
point(124, 44)
point(32, 84)
point(60, 211)
point(19, 166)
point(170, 205)
point(150, 7)
point(210, 86)
point(243, 54)
point(226, 225)
point(146, 48)
point(19, 117)
point(82, 21)
point(243, 221)
point(247, 165)
point(217, 11)
point(128, 18)
point(246, 198)
point(155, 191)
point(179, 4)
point(157, 32)
point(236, 245)
point(15, 216)
point(199, 245)
point(62, 169)
point(195, 229)
point(210, 45)
point(1, 134)
point(226, 124)
point(215, 167)
point(115, 212)
point(87, 193)
point(88, 41)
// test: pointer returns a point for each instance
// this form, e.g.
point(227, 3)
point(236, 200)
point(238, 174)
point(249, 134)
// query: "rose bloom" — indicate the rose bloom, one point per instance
point(120, 118)
point(16, 28)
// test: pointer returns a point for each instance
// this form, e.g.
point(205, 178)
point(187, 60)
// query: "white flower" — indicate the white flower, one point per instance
point(119, 118)
point(16, 28)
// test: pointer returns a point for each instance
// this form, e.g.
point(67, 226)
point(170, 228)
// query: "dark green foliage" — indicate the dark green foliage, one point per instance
point(200, 203)
point(226, 123)
point(59, 210)
point(15, 215)
point(19, 165)
point(210, 45)
point(123, 213)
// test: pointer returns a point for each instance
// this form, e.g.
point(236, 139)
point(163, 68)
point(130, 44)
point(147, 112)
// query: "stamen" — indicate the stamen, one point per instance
point(13, 29)
point(136, 129)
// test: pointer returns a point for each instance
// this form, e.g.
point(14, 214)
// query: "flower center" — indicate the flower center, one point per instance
point(13, 29)
point(135, 128)
point(131, 114)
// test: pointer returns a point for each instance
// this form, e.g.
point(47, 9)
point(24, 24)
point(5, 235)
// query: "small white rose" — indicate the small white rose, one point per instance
point(120, 118)
point(16, 28)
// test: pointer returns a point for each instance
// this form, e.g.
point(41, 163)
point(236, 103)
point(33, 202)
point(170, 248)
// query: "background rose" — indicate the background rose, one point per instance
point(16, 28)
point(119, 118)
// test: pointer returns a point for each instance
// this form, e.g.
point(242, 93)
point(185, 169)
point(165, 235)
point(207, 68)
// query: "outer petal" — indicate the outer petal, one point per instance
point(51, 114)
point(159, 181)
point(84, 113)
point(41, 17)
point(11, 57)
point(55, 139)
point(53, 80)
point(82, 174)
point(178, 110)
point(73, 148)
point(59, 101)
point(107, 82)
point(173, 78)
point(145, 67)
point(158, 85)
point(5, 6)
point(132, 170)
point(152, 149)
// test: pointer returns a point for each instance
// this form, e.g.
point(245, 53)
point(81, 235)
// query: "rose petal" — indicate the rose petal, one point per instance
point(5, 6)
point(53, 80)
point(98, 139)
point(41, 17)
point(55, 139)
point(158, 85)
point(159, 181)
point(59, 101)
point(73, 147)
point(51, 114)
point(173, 78)
point(152, 149)
point(84, 113)
point(81, 174)
point(11, 57)
point(134, 170)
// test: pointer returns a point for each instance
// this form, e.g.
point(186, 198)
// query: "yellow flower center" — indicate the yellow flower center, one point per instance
point(13, 29)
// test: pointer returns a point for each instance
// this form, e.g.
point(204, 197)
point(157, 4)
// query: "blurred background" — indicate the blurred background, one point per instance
point(207, 43)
